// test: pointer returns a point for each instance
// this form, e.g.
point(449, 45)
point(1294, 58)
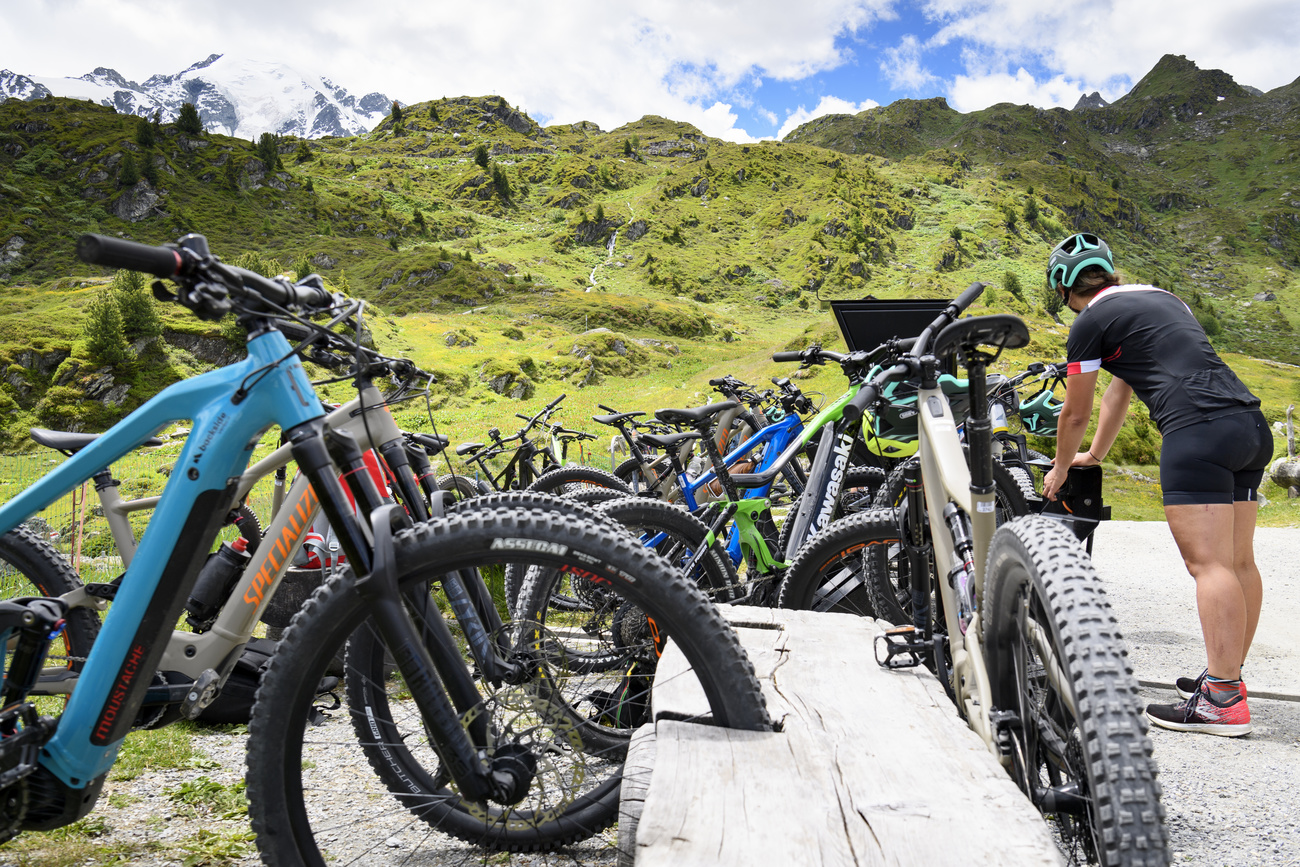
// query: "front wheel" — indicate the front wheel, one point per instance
point(308, 786)
point(833, 571)
point(1056, 661)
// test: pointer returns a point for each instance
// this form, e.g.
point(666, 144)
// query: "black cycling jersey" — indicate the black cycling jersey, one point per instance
point(1149, 338)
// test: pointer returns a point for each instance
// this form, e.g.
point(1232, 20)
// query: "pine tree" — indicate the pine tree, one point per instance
point(1052, 301)
point(304, 154)
point(433, 113)
point(150, 170)
point(135, 304)
point(1031, 211)
point(600, 213)
point(144, 135)
point(230, 174)
point(481, 156)
point(129, 173)
point(188, 120)
point(102, 329)
point(501, 182)
point(268, 151)
point(397, 113)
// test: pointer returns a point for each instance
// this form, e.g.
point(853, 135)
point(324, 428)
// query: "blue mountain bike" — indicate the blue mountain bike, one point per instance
point(474, 737)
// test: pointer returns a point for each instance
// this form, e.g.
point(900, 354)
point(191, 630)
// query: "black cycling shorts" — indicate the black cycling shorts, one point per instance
point(1217, 461)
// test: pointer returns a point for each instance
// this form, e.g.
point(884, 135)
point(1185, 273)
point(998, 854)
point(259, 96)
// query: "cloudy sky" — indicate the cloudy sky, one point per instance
point(739, 70)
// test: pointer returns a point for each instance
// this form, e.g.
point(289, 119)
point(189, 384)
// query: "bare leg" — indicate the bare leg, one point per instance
point(1243, 563)
point(1205, 535)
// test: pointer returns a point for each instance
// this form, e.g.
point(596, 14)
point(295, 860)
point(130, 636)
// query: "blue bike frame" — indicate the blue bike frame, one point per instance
point(230, 409)
point(777, 436)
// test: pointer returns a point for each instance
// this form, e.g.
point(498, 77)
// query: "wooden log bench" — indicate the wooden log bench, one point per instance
point(870, 766)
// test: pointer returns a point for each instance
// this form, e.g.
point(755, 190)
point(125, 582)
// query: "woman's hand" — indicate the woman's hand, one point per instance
point(1052, 482)
point(1056, 478)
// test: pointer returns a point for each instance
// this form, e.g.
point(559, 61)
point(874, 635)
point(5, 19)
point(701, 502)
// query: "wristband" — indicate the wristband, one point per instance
point(1094, 457)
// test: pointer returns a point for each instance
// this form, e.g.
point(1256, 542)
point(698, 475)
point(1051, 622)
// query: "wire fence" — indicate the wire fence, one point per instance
point(75, 523)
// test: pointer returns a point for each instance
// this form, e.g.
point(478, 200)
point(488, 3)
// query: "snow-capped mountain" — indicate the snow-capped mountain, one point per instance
point(243, 98)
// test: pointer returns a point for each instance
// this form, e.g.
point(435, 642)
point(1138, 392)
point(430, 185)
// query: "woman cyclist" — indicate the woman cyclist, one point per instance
point(1216, 445)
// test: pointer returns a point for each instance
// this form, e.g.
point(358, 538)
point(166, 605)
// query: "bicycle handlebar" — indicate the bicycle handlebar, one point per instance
point(190, 264)
point(116, 253)
point(870, 392)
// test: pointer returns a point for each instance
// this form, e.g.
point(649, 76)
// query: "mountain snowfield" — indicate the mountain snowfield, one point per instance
point(234, 96)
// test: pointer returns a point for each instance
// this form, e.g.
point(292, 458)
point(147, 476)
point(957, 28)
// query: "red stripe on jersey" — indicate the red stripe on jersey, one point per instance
point(1089, 366)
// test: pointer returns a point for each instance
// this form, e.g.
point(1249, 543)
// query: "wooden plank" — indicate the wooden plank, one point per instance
point(871, 766)
point(677, 692)
point(637, 770)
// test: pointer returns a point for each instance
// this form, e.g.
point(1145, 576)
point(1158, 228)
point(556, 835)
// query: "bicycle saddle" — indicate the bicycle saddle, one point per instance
point(615, 418)
point(999, 329)
point(71, 443)
point(696, 415)
point(668, 442)
point(468, 448)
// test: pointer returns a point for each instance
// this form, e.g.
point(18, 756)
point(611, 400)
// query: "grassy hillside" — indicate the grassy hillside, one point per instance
point(627, 267)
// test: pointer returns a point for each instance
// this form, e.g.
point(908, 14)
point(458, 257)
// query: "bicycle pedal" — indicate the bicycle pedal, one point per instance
point(903, 648)
point(201, 694)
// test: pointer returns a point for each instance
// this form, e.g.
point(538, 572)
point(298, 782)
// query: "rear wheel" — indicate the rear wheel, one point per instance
point(29, 566)
point(1078, 741)
point(891, 580)
point(305, 807)
point(564, 481)
point(461, 487)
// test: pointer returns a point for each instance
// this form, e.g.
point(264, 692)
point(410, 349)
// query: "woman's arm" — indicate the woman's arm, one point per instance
point(1114, 407)
point(1071, 425)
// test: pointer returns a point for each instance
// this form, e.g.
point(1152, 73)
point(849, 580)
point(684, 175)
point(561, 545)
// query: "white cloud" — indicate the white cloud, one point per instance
point(1103, 44)
point(567, 59)
point(969, 93)
point(828, 105)
point(902, 66)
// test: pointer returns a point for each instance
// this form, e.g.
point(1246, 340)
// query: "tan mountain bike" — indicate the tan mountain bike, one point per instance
point(1013, 620)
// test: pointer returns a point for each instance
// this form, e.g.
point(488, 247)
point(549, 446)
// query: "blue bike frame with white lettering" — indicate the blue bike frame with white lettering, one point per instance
point(229, 410)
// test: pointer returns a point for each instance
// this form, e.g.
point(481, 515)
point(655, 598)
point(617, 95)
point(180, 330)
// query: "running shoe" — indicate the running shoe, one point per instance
point(1187, 686)
point(1201, 713)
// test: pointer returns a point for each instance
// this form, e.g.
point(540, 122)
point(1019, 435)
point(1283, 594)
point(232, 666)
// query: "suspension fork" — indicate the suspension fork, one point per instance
point(917, 549)
point(430, 663)
point(462, 747)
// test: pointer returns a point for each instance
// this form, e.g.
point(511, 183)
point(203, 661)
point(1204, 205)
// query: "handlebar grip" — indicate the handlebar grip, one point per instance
point(857, 405)
point(787, 355)
point(556, 402)
point(116, 253)
point(968, 297)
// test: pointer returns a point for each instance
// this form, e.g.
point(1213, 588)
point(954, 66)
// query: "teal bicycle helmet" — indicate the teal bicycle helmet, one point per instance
point(1072, 255)
point(1040, 413)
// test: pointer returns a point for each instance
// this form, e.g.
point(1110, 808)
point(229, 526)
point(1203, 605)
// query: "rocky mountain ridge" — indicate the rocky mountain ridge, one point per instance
point(236, 97)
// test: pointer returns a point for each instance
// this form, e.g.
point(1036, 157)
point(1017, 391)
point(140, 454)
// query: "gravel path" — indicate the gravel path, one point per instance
point(1230, 801)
